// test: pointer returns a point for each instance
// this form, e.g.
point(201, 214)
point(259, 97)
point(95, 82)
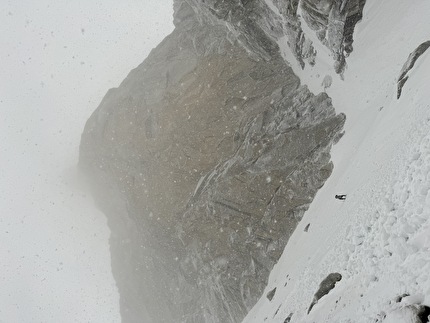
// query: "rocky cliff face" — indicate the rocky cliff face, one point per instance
point(255, 24)
point(207, 155)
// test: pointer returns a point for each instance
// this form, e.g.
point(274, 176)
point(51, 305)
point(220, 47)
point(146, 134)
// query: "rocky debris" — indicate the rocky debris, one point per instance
point(288, 318)
point(204, 159)
point(271, 294)
point(307, 227)
point(399, 298)
point(325, 287)
point(409, 64)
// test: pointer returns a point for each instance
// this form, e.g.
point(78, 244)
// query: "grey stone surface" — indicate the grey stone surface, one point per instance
point(204, 160)
point(307, 227)
point(409, 64)
point(288, 318)
point(257, 26)
point(271, 294)
point(325, 287)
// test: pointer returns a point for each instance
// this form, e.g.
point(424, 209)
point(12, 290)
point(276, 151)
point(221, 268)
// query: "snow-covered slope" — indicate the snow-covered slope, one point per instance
point(379, 238)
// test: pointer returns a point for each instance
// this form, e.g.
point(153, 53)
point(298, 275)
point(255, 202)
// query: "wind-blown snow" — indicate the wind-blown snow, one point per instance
point(379, 238)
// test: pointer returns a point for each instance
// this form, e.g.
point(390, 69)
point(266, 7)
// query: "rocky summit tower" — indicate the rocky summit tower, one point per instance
point(208, 153)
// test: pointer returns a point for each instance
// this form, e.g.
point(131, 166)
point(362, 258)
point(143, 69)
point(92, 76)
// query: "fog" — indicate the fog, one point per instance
point(57, 60)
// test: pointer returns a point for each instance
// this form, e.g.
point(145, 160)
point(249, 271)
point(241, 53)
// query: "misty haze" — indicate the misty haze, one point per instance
point(213, 161)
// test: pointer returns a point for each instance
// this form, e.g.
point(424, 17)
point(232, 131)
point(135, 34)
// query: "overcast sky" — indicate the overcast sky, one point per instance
point(57, 60)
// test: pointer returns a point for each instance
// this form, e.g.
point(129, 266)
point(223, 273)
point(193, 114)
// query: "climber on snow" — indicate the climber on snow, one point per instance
point(340, 197)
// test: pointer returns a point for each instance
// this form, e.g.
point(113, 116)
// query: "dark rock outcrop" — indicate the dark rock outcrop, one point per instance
point(271, 294)
point(256, 24)
point(288, 318)
point(334, 21)
point(325, 287)
point(409, 64)
point(401, 307)
point(413, 313)
point(204, 160)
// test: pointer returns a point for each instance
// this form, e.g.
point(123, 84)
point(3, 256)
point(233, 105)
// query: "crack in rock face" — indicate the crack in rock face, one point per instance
point(204, 159)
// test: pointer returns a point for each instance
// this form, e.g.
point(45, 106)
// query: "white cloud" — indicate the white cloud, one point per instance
point(58, 58)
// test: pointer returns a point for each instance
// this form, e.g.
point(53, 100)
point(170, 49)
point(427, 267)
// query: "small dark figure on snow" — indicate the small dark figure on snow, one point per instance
point(340, 197)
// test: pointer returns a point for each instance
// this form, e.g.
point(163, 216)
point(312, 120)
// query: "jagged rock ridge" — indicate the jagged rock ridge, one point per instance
point(204, 160)
point(257, 23)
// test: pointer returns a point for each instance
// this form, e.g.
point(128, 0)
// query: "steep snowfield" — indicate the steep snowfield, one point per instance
point(379, 238)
